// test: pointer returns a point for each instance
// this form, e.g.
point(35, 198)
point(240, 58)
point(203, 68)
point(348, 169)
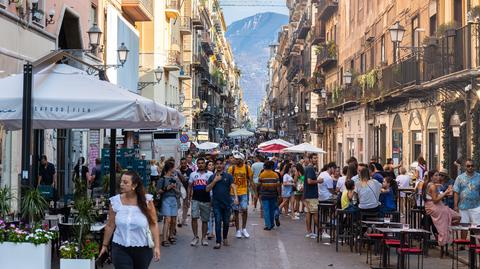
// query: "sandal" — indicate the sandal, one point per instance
point(172, 240)
point(165, 244)
point(217, 246)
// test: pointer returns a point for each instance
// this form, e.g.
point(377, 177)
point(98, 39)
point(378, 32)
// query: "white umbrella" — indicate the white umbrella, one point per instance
point(304, 148)
point(67, 97)
point(275, 141)
point(266, 130)
point(240, 133)
point(207, 146)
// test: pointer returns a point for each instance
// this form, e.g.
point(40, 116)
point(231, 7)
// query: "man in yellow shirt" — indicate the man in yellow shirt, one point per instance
point(242, 178)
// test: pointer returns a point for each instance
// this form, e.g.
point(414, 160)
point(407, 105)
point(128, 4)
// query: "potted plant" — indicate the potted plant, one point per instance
point(5, 198)
point(33, 206)
point(18, 242)
point(74, 257)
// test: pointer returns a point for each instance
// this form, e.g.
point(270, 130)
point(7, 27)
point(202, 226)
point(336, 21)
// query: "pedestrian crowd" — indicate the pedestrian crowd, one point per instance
point(217, 192)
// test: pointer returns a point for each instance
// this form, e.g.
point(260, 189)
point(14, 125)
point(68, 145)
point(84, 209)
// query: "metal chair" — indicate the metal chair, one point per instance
point(345, 228)
point(326, 217)
point(411, 244)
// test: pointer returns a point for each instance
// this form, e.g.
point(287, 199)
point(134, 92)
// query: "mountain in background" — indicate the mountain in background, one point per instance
point(250, 38)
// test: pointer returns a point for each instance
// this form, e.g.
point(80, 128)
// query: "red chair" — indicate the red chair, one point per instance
point(375, 239)
point(411, 244)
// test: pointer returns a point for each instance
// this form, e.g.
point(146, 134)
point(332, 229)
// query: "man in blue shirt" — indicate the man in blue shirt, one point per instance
point(467, 194)
point(375, 173)
point(310, 193)
point(220, 184)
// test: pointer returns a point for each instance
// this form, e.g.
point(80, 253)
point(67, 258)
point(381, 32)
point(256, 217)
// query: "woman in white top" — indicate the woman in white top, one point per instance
point(154, 172)
point(133, 224)
point(287, 190)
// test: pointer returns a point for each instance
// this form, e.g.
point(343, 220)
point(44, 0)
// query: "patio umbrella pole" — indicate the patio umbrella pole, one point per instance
point(27, 125)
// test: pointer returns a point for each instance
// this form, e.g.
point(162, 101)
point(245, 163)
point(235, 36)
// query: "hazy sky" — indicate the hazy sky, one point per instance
point(239, 12)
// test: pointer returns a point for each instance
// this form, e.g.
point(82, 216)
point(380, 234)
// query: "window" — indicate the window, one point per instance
point(351, 146)
point(92, 16)
point(360, 148)
point(382, 50)
point(352, 65)
point(433, 25)
point(415, 34)
point(38, 13)
point(362, 63)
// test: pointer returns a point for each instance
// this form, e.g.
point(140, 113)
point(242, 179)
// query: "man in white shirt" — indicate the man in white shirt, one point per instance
point(325, 185)
point(257, 168)
point(403, 181)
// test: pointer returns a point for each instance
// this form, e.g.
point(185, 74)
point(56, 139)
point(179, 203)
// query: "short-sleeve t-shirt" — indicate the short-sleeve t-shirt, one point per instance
point(240, 178)
point(324, 193)
point(257, 169)
point(468, 189)
point(47, 172)
point(221, 190)
point(287, 188)
point(310, 191)
point(199, 182)
point(369, 194)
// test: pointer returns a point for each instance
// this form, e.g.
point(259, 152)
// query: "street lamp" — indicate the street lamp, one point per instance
point(181, 98)
point(296, 109)
point(347, 77)
point(396, 32)
point(204, 104)
point(307, 106)
point(323, 93)
point(158, 72)
point(94, 34)
point(122, 52)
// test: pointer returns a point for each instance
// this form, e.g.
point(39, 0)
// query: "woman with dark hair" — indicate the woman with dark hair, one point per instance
point(169, 188)
point(132, 222)
point(81, 177)
point(442, 216)
point(421, 169)
point(298, 179)
point(368, 191)
point(388, 196)
point(287, 189)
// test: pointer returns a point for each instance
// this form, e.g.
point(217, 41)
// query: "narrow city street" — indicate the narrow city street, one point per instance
point(284, 248)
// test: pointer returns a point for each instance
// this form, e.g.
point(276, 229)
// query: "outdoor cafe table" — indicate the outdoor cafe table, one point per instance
point(382, 223)
point(97, 227)
point(466, 227)
point(401, 231)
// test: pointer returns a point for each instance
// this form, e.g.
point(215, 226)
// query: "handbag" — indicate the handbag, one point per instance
point(150, 241)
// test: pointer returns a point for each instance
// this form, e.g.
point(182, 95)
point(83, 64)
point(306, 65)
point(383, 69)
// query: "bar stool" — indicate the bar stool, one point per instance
point(345, 228)
point(326, 216)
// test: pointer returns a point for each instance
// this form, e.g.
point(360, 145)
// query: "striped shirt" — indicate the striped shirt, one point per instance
point(269, 184)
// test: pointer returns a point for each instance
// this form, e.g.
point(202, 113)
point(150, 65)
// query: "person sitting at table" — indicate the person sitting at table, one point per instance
point(442, 216)
point(368, 191)
point(388, 196)
point(446, 182)
point(348, 197)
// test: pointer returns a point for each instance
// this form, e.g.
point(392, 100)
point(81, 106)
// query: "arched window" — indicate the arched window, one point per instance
point(433, 143)
point(397, 139)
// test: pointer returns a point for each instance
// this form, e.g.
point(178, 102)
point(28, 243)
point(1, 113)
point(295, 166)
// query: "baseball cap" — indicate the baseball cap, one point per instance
point(238, 155)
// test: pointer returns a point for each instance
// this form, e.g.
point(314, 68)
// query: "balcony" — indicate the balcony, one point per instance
point(172, 9)
point(304, 26)
point(324, 114)
point(173, 61)
point(302, 118)
point(185, 25)
point(327, 55)
point(326, 8)
point(207, 43)
point(344, 98)
point(318, 33)
point(294, 68)
point(138, 10)
point(185, 72)
point(196, 20)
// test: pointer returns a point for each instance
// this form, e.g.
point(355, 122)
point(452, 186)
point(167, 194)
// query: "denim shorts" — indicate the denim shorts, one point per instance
point(242, 203)
point(169, 206)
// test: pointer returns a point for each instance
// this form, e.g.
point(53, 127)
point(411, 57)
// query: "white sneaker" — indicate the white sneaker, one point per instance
point(325, 235)
point(295, 218)
point(313, 236)
point(238, 234)
point(194, 242)
point(245, 233)
point(204, 242)
point(309, 235)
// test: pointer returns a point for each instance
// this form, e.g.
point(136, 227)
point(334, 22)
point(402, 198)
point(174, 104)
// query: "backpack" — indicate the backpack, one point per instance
point(246, 167)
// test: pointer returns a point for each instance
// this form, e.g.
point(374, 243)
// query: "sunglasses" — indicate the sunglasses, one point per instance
point(470, 165)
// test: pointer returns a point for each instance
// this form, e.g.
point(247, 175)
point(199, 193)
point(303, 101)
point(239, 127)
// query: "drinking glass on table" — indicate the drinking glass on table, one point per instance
point(386, 219)
point(406, 226)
